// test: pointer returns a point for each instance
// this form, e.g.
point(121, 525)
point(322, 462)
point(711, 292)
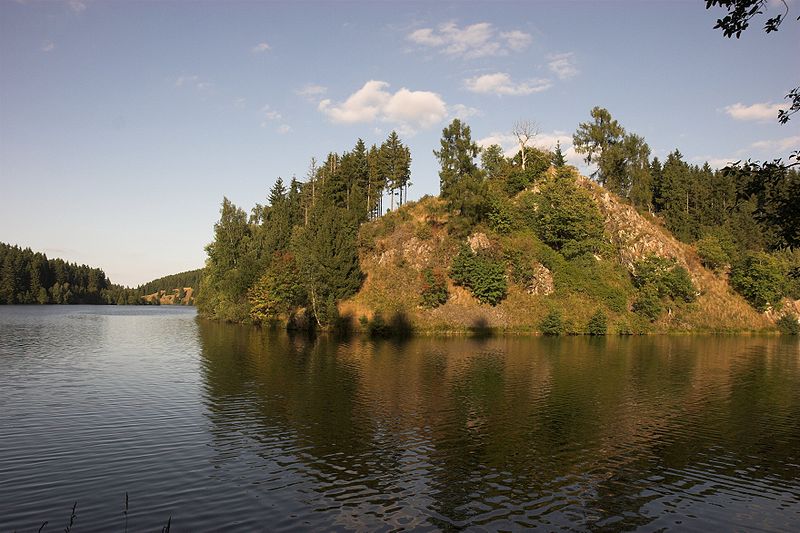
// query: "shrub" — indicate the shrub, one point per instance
point(499, 218)
point(666, 277)
point(711, 253)
point(423, 232)
point(278, 291)
point(433, 290)
point(648, 303)
point(378, 326)
point(481, 274)
point(679, 285)
point(789, 261)
point(552, 324)
point(788, 325)
point(566, 216)
point(598, 324)
point(624, 328)
point(758, 278)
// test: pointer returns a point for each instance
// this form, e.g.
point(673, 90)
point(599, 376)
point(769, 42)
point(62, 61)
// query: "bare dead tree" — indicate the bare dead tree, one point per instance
point(525, 131)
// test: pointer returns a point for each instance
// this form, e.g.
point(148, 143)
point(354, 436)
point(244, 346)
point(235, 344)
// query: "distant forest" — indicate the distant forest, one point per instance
point(28, 277)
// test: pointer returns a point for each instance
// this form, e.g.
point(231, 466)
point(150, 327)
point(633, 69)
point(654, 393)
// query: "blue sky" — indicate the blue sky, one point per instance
point(123, 124)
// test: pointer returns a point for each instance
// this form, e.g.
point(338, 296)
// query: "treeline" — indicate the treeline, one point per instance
point(756, 207)
point(190, 278)
point(744, 219)
point(299, 250)
point(294, 258)
point(535, 213)
point(28, 277)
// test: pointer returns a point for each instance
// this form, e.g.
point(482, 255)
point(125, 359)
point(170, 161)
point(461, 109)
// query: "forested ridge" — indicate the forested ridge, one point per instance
point(28, 277)
point(521, 234)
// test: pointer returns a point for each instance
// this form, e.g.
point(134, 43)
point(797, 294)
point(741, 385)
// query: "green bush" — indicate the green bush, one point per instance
point(433, 290)
point(666, 277)
point(552, 324)
point(566, 217)
point(648, 303)
point(711, 253)
point(680, 285)
point(758, 278)
point(789, 261)
point(598, 324)
point(788, 325)
point(624, 328)
point(481, 274)
point(278, 291)
point(499, 218)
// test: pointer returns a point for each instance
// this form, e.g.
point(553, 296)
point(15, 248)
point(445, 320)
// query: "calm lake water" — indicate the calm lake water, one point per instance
point(227, 428)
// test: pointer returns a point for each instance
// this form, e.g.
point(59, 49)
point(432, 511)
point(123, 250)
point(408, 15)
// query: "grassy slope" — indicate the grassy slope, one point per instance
point(167, 288)
point(395, 249)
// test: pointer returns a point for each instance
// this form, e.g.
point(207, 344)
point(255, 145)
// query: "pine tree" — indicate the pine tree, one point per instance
point(558, 156)
point(327, 257)
point(456, 158)
point(395, 161)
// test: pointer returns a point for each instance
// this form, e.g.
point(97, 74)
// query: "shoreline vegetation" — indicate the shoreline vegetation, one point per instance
point(28, 277)
point(519, 244)
point(512, 245)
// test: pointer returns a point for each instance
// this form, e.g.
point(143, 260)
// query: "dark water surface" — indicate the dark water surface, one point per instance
point(228, 428)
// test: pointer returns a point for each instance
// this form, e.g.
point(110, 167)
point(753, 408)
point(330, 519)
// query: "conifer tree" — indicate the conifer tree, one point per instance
point(456, 157)
point(558, 156)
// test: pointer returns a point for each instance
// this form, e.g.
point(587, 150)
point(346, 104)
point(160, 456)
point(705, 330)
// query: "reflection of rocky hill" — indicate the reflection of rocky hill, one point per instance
point(457, 433)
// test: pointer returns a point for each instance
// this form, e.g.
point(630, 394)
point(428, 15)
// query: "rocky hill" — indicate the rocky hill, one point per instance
point(402, 251)
point(178, 296)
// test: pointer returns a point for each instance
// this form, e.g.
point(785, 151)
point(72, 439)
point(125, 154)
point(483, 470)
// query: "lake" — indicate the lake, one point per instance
point(231, 428)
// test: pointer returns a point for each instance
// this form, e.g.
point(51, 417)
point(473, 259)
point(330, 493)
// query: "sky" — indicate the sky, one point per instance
point(123, 124)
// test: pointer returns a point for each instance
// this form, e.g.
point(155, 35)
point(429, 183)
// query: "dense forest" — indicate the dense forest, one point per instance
point(300, 249)
point(28, 277)
point(190, 278)
point(296, 258)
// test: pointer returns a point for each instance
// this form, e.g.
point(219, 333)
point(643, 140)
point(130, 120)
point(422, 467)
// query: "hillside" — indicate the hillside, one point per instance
point(396, 250)
point(175, 289)
point(515, 244)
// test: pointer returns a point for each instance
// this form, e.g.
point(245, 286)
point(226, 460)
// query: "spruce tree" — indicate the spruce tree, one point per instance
point(456, 158)
point(558, 156)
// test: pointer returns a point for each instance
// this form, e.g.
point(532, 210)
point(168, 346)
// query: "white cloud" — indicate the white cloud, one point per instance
point(268, 115)
point(311, 91)
point(764, 150)
point(48, 46)
point(409, 110)
point(77, 5)
point(501, 83)
point(239, 103)
point(563, 65)
point(544, 141)
point(475, 40)
point(261, 48)
point(195, 82)
point(715, 162)
point(461, 111)
point(778, 146)
point(517, 40)
point(184, 80)
point(284, 129)
point(759, 112)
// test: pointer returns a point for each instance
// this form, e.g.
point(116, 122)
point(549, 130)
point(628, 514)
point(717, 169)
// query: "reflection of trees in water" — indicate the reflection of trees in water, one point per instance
point(598, 433)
